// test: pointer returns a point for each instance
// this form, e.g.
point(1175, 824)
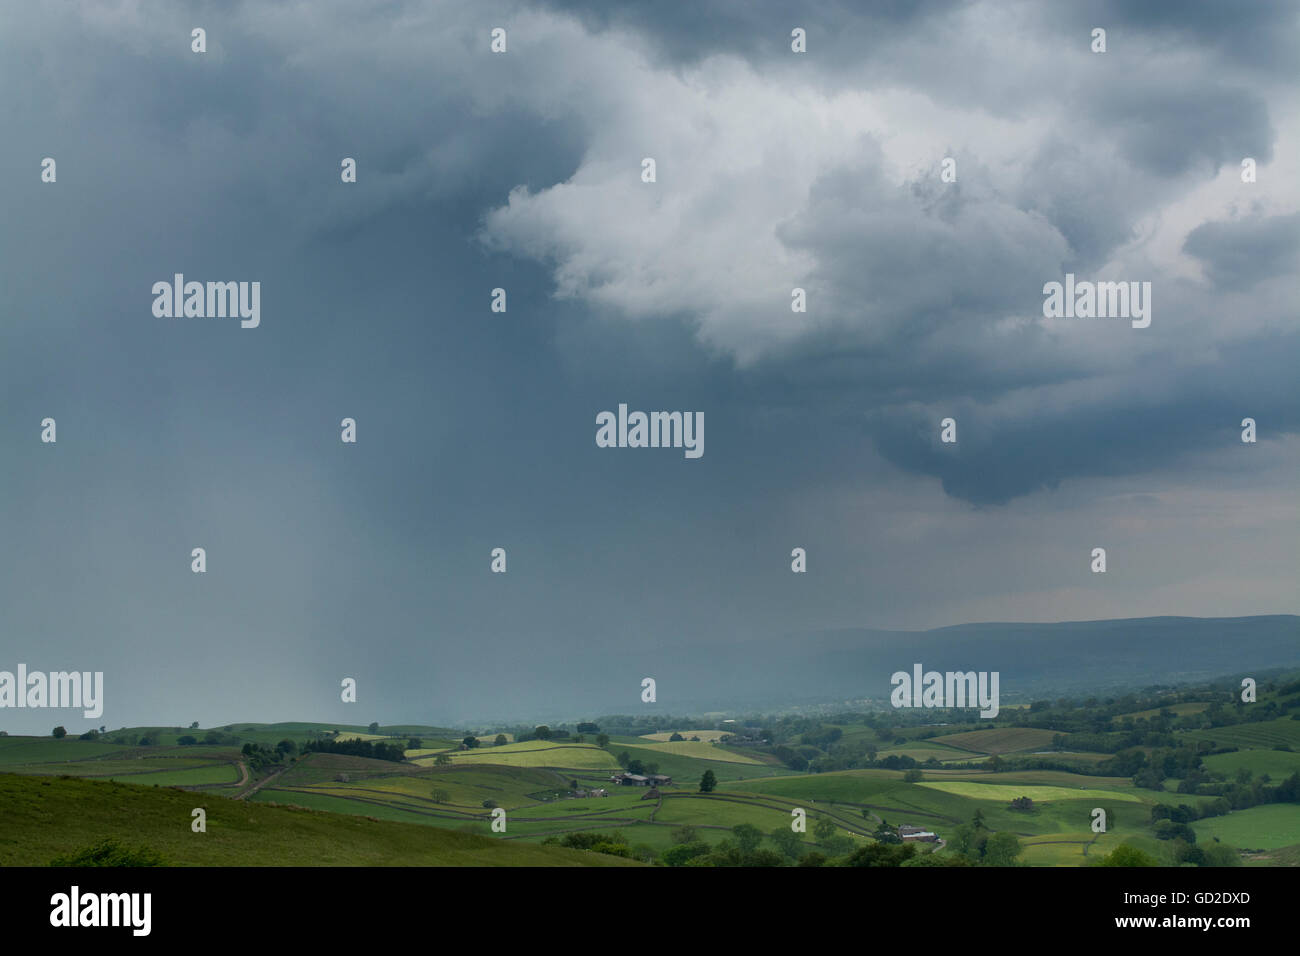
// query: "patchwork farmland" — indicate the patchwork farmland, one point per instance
point(1221, 795)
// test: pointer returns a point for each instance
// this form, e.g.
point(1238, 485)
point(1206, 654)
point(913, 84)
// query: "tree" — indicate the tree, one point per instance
point(490, 804)
point(912, 776)
point(1125, 855)
point(470, 742)
point(439, 795)
point(624, 759)
point(676, 736)
point(787, 841)
point(587, 727)
point(1002, 849)
point(286, 746)
point(374, 727)
point(683, 834)
point(442, 760)
point(573, 784)
point(881, 854)
point(683, 853)
point(415, 743)
point(824, 829)
point(60, 732)
point(977, 821)
point(193, 726)
point(602, 741)
point(962, 838)
point(635, 766)
point(542, 733)
point(500, 741)
point(747, 837)
point(708, 781)
point(1216, 854)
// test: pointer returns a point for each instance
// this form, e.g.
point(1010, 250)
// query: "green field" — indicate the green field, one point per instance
point(1278, 764)
point(534, 781)
point(1005, 792)
point(1001, 740)
point(1259, 828)
point(534, 753)
point(699, 750)
point(45, 818)
point(1262, 735)
point(1179, 710)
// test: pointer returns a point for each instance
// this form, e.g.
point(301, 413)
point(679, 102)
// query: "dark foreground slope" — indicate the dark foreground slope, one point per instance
point(43, 818)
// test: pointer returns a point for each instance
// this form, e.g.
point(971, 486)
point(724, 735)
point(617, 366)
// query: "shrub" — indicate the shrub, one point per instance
point(111, 853)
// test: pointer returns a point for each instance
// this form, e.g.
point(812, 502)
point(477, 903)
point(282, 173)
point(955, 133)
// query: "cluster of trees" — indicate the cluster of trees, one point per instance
point(213, 738)
point(612, 844)
point(747, 845)
point(979, 845)
point(260, 757)
point(635, 765)
point(375, 749)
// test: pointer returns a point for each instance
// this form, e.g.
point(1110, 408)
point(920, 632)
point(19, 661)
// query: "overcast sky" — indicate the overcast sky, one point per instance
point(476, 430)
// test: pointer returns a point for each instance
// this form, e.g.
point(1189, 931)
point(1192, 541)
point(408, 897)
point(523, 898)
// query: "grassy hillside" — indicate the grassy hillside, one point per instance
point(48, 817)
point(1003, 740)
point(533, 753)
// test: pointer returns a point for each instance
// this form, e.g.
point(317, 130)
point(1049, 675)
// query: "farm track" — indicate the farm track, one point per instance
point(260, 784)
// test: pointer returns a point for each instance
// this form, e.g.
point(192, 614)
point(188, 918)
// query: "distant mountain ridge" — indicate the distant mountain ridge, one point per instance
point(854, 663)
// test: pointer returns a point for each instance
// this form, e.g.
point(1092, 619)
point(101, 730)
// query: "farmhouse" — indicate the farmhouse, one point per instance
point(916, 834)
point(641, 780)
point(630, 779)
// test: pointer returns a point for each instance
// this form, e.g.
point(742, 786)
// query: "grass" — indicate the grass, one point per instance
point(1179, 710)
point(193, 777)
point(45, 818)
point(1005, 792)
point(1261, 735)
point(15, 751)
point(533, 753)
point(1268, 827)
point(1278, 764)
point(699, 750)
point(1000, 740)
point(686, 771)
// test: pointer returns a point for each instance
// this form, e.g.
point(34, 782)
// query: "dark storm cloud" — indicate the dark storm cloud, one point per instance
point(683, 32)
point(476, 429)
point(1257, 37)
point(1238, 254)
